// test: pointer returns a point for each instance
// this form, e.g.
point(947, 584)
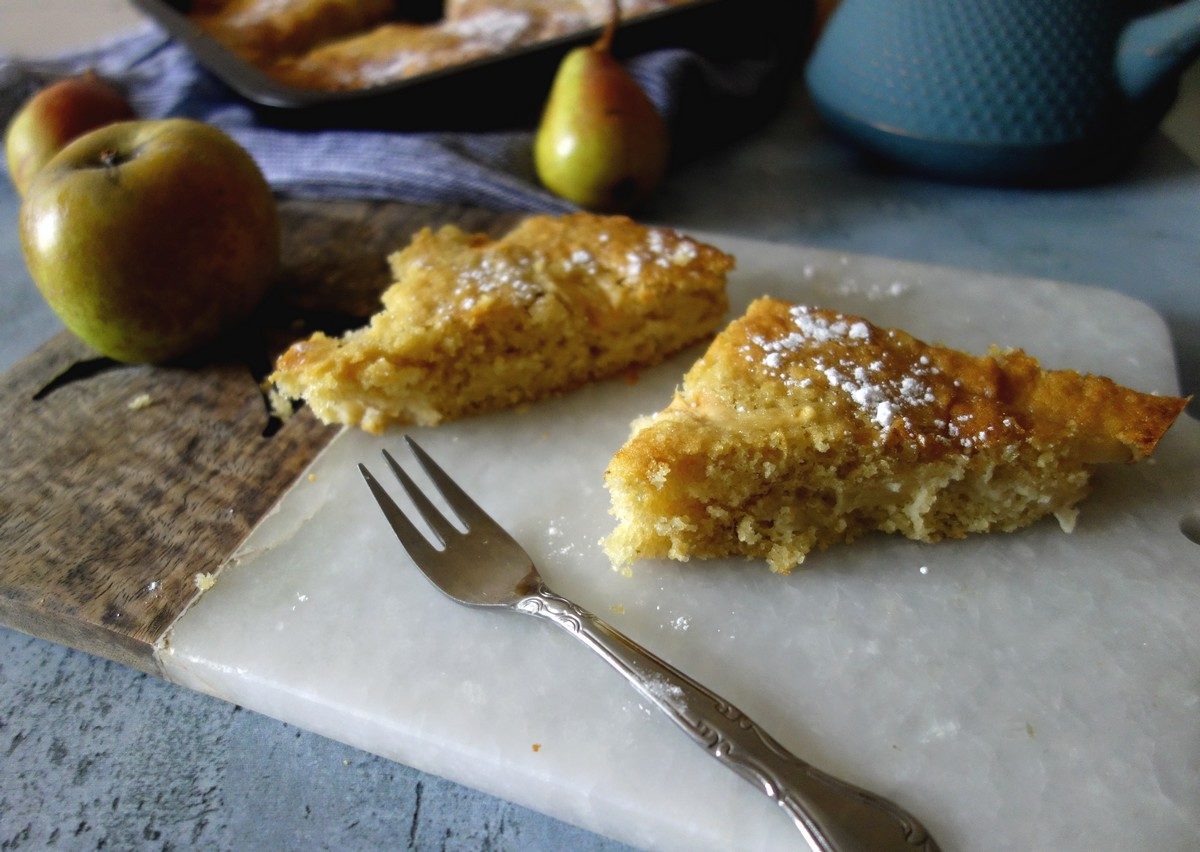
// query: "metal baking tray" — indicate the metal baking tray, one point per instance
point(507, 89)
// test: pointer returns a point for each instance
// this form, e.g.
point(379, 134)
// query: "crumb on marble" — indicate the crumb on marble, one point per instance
point(312, 477)
point(617, 609)
point(536, 747)
point(205, 580)
point(142, 400)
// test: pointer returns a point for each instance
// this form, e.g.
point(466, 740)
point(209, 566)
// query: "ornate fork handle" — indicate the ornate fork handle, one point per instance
point(832, 815)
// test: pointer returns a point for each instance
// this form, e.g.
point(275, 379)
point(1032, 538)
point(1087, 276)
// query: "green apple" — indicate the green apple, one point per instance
point(150, 238)
point(55, 116)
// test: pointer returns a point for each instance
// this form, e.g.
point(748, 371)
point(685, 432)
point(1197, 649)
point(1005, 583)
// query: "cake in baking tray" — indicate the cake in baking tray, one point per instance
point(335, 45)
point(262, 31)
point(390, 52)
point(473, 324)
point(802, 427)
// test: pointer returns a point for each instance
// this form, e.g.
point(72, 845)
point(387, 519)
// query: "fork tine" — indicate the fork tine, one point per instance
point(468, 510)
point(442, 528)
point(414, 542)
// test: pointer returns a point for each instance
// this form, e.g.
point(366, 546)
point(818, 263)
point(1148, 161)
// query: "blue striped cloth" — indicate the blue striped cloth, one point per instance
point(488, 169)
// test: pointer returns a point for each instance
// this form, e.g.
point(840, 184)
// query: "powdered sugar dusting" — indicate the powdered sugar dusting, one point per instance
point(661, 689)
point(514, 276)
point(684, 253)
point(872, 291)
point(494, 276)
point(662, 248)
point(493, 29)
point(884, 394)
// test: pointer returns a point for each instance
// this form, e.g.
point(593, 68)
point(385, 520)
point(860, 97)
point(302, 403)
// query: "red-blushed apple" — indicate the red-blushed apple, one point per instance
point(55, 116)
point(150, 238)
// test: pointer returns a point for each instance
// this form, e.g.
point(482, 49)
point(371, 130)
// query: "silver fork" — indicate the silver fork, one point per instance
point(485, 567)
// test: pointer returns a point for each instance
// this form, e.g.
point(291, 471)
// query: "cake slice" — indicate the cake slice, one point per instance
point(803, 427)
point(473, 324)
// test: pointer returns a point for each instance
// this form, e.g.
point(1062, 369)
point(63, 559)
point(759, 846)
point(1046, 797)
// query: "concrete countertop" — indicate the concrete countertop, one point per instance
point(97, 755)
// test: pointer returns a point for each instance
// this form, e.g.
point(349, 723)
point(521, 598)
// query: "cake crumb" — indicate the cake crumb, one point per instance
point(1066, 518)
point(205, 580)
point(312, 477)
point(536, 747)
point(142, 400)
point(280, 405)
point(617, 609)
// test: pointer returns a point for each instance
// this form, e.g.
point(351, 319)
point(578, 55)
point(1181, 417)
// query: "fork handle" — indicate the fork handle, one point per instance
point(832, 815)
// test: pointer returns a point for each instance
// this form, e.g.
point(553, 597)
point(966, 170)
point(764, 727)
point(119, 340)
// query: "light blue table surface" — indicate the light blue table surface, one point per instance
point(93, 754)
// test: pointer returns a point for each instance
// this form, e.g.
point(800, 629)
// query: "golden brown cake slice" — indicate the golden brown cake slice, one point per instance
point(473, 324)
point(802, 427)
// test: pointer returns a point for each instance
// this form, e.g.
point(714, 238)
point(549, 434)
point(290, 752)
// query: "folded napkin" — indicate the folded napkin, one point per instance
point(489, 169)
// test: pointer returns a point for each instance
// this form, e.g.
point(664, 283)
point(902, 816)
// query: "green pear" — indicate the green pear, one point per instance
point(150, 238)
point(601, 143)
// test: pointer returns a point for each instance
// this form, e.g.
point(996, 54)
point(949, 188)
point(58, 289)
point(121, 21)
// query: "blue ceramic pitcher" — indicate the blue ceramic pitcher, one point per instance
point(1007, 91)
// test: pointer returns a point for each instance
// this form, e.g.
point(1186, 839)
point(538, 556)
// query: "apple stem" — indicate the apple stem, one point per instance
point(604, 43)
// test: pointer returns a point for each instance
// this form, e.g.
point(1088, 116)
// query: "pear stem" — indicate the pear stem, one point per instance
point(604, 43)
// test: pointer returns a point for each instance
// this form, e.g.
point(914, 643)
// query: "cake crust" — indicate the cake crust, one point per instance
point(474, 324)
point(803, 427)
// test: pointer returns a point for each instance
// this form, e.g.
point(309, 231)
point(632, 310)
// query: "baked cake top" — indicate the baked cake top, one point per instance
point(449, 282)
point(448, 275)
point(840, 377)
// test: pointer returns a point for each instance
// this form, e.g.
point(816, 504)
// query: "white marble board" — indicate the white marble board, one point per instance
point(1029, 691)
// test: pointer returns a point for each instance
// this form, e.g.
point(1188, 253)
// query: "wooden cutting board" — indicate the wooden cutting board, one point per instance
point(108, 512)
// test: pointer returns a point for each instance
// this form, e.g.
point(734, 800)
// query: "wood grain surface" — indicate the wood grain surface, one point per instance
point(109, 510)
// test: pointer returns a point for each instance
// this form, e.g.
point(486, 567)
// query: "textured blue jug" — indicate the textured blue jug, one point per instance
point(1004, 91)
